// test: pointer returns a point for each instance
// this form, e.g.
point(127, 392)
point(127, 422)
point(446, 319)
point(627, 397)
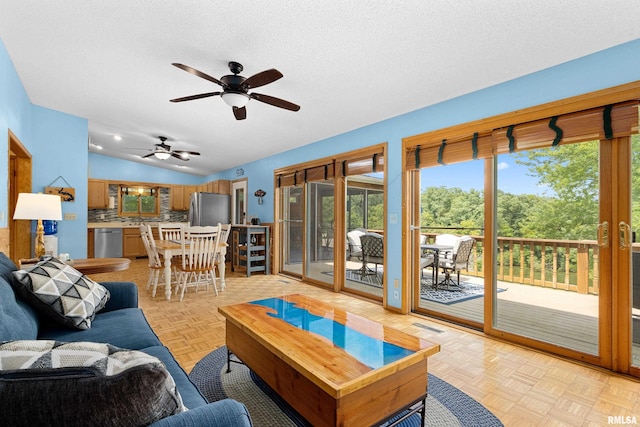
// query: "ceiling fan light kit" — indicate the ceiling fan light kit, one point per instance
point(236, 89)
point(235, 99)
point(163, 151)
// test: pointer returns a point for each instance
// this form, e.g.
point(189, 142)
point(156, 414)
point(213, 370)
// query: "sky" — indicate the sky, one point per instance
point(512, 178)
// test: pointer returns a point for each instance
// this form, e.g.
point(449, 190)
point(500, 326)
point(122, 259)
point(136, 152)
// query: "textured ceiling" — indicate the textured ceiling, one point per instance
point(347, 63)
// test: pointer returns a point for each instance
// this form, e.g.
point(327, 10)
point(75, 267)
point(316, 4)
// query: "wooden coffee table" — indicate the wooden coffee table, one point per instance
point(334, 367)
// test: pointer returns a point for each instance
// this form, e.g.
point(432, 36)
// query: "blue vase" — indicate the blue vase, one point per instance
point(50, 226)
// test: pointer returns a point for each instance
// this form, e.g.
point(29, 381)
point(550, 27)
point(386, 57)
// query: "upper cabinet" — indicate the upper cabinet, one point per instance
point(98, 194)
point(222, 186)
point(181, 194)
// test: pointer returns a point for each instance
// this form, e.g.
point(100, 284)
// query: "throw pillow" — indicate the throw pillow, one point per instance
point(61, 292)
point(45, 382)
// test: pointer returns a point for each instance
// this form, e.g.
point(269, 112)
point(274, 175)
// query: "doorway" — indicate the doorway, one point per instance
point(19, 182)
point(239, 202)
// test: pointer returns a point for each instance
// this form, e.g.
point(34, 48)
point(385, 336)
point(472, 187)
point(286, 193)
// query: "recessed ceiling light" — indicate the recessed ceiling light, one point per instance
point(117, 137)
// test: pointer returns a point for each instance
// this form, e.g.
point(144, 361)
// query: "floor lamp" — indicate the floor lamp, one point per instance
point(38, 206)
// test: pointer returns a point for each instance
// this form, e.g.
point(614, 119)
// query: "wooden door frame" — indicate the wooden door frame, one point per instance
point(19, 169)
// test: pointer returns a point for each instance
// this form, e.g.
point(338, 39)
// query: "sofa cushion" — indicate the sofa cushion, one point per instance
point(7, 267)
point(125, 328)
point(61, 292)
point(83, 384)
point(18, 321)
point(190, 394)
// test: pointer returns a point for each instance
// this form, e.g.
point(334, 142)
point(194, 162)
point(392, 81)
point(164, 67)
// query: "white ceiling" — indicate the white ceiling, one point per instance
point(347, 63)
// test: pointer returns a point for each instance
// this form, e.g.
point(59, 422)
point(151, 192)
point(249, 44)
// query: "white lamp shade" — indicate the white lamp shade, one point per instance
point(38, 206)
point(235, 99)
point(162, 155)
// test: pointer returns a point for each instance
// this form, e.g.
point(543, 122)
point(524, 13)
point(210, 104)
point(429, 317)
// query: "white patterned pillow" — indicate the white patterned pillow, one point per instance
point(83, 383)
point(61, 292)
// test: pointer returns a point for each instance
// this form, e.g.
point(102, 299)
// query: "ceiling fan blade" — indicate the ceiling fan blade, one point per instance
point(192, 97)
point(240, 113)
point(198, 73)
point(178, 156)
point(263, 78)
point(148, 155)
point(191, 153)
point(275, 101)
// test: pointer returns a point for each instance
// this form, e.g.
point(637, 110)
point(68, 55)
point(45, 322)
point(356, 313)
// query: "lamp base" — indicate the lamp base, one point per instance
point(40, 251)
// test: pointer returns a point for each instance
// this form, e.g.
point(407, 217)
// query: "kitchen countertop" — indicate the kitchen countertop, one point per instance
point(127, 224)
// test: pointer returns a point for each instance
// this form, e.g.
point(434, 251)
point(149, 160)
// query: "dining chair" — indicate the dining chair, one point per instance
point(199, 250)
point(171, 230)
point(460, 257)
point(225, 230)
point(155, 264)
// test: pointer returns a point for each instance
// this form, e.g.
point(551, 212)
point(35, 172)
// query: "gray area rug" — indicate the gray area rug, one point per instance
point(446, 405)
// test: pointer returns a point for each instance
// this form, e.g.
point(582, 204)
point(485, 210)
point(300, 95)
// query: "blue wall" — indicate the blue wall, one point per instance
point(604, 69)
point(58, 144)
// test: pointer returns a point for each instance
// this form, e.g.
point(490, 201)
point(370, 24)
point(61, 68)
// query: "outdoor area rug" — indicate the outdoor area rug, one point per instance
point(453, 294)
point(368, 279)
point(446, 405)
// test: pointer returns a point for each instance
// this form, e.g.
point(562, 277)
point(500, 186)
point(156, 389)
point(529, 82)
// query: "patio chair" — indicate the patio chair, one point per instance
point(372, 253)
point(458, 260)
point(426, 258)
point(354, 246)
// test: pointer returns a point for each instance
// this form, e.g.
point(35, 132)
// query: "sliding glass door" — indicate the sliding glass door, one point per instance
point(320, 230)
point(318, 205)
point(291, 230)
point(364, 214)
point(557, 257)
point(548, 254)
point(451, 205)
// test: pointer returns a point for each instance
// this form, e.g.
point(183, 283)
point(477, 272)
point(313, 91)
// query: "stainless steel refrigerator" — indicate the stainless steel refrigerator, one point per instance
point(209, 209)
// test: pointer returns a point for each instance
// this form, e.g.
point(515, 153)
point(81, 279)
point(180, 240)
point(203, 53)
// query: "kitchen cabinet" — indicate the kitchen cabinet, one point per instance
point(188, 191)
point(250, 248)
point(132, 246)
point(98, 194)
point(222, 186)
point(177, 198)
point(181, 196)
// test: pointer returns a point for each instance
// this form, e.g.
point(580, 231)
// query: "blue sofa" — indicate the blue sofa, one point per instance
point(122, 324)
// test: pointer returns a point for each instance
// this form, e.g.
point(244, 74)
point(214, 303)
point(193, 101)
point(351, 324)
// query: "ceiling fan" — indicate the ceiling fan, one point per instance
point(236, 89)
point(163, 151)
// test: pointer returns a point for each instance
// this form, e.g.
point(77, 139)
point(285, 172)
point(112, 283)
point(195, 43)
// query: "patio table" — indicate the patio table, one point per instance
point(436, 249)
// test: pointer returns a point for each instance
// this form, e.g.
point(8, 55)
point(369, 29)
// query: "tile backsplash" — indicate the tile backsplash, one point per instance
point(111, 215)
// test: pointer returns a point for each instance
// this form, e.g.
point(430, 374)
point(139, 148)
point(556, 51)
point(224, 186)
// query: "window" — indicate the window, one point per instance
point(139, 201)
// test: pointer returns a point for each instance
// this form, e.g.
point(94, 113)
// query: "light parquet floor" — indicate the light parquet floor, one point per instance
point(520, 386)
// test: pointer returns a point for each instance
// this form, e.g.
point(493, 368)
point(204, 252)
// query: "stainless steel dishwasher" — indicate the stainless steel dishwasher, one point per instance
point(107, 242)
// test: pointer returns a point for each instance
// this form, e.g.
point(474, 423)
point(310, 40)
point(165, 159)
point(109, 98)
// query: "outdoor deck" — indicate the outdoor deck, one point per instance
point(556, 316)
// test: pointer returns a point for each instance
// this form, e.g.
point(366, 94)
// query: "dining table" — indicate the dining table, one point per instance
point(169, 248)
point(436, 250)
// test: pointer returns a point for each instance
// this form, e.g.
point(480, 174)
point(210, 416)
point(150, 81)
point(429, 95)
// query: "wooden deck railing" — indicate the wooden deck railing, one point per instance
point(571, 265)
